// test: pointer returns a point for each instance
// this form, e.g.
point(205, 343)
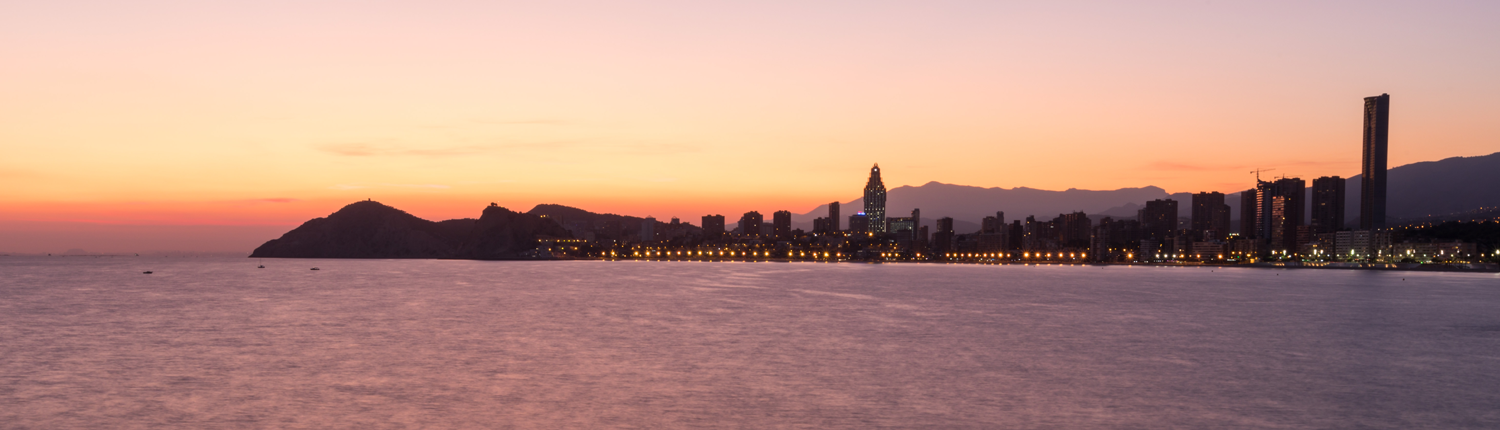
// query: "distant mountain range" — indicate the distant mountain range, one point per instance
point(1413, 191)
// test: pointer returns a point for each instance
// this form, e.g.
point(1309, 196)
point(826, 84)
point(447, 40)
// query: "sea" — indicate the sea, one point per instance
point(202, 343)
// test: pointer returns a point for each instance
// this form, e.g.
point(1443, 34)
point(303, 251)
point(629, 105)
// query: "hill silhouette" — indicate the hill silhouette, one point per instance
point(369, 229)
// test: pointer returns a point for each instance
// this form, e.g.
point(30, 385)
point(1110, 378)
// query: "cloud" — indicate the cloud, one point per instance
point(374, 149)
point(275, 200)
point(1184, 167)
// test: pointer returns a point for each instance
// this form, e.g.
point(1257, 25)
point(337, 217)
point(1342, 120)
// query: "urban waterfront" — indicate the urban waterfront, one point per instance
point(211, 342)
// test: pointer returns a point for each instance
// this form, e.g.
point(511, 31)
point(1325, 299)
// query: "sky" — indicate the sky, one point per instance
point(213, 126)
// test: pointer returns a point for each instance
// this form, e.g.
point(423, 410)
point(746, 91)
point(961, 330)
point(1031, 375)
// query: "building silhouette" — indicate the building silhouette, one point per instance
point(1372, 181)
point(781, 222)
point(1210, 215)
point(833, 217)
point(1327, 204)
point(1074, 229)
point(713, 226)
point(875, 201)
point(859, 223)
point(942, 241)
point(750, 223)
point(1159, 220)
point(1249, 213)
point(648, 229)
point(1282, 205)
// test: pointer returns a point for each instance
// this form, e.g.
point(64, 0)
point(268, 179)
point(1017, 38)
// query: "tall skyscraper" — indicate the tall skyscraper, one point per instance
point(875, 201)
point(833, 217)
point(1372, 184)
point(750, 223)
point(781, 221)
point(1211, 214)
point(1327, 204)
point(713, 226)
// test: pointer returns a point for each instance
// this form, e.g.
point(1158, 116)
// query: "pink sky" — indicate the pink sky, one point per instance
point(259, 115)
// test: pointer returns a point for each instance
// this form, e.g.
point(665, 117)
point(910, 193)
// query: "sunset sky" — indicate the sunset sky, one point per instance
point(177, 118)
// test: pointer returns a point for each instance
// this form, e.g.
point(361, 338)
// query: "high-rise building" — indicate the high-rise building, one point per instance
point(859, 223)
point(750, 223)
point(1249, 210)
point(713, 226)
point(1281, 227)
point(1372, 186)
point(1327, 204)
point(833, 217)
point(875, 201)
point(1210, 214)
point(1159, 220)
point(648, 229)
point(781, 222)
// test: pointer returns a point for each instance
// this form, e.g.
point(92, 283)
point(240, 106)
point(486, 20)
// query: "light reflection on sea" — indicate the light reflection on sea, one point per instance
point(88, 342)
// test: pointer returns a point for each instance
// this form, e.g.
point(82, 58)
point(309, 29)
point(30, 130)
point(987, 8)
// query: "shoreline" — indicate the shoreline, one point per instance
point(1413, 267)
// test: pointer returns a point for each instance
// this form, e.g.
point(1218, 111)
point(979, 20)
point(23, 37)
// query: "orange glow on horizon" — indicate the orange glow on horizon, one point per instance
point(271, 114)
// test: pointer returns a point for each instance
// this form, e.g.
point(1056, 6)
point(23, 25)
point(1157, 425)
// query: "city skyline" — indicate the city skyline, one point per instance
point(205, 116)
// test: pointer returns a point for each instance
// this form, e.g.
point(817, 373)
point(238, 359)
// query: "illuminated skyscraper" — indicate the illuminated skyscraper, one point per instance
point(875, 201)
point(1372, 180)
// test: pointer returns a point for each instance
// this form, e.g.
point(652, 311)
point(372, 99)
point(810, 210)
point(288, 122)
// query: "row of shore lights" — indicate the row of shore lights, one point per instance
point(722, 253)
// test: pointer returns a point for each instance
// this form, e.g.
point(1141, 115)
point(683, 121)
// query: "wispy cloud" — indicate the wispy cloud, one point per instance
point(1281, 167)
point(1173, 166)
point(383, 149)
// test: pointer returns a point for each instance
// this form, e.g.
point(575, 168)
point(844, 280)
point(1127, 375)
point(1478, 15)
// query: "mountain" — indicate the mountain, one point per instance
point(369, 229)
point(1445, 186)
point(1413, 191)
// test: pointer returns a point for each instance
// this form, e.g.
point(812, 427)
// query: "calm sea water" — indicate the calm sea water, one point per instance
point(217, 343)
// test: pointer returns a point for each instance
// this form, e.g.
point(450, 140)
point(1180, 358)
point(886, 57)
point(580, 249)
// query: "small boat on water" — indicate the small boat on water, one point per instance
point(148, 272)
point(315, 268)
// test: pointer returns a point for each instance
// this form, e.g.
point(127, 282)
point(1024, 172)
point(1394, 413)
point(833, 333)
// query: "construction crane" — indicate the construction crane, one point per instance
point(1257, 173)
